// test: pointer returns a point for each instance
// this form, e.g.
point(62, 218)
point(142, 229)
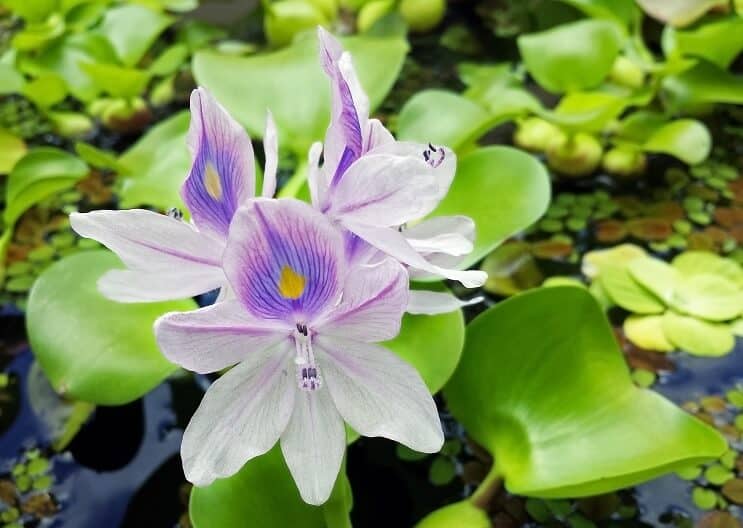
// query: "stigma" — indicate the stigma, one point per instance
point(308, 374)
point(434, 156)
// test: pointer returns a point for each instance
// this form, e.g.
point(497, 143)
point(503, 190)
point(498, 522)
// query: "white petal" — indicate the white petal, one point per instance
point(374, 300)
point(384, 190)
point(393, 243)
point(143, 286)
point(432, 303)
point(313, 444)
point(149, 241)
point(452, 235)
point(376, 135)
point(215, 337)
point(271, 150)
point(241, 417)
point(379, 394)
point(316, 179)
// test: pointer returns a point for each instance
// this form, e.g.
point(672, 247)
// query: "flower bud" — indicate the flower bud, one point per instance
point(284, 19)
point(462, 513)
point(627, 73)
point(624, 162)
point(422, 15)
point(535, 134)
point(574, 156)
point(372, 12)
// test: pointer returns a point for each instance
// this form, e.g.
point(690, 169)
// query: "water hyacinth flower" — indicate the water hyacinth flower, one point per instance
point(166, 257)
point(373, 186)
point(301, 331)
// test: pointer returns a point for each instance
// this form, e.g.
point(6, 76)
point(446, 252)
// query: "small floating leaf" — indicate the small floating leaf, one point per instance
point(698, 337)
point(647, 332)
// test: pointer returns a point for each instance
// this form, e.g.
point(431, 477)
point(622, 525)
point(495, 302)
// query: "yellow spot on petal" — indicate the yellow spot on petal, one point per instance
point(291, 283)
point(212, 182)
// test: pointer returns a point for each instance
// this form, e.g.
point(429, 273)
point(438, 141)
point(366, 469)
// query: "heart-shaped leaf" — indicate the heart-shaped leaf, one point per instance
point(39, 174)
point(247, 497)
point(503, 189)
point(544, 386)
point(442, 118)
point(290, 82)
point(571, 56)
point(92, 348)
point(132, 29)
point(156, 165)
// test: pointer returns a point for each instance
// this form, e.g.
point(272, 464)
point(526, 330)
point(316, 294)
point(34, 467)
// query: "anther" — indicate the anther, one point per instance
point(176, 213)
point(434, 156)
point(308, 375)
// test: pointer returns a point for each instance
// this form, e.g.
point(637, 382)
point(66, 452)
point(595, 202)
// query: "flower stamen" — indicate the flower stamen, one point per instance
point(434, 156)
point(308, 375)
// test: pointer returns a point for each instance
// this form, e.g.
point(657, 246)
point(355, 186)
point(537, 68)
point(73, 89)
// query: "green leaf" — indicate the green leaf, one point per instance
point(571, 56)
point(32, 10)
point(698, 337)
point(66, 56)
point(262, 492)
point(11, 81)
point(586, 111)
point(90, 347)
point(36, 34)
point(273, 81)
point(626, 292)
point(169, 60)
point(46, 90)
point(117, 81)
point(702, 84)
point(12, 149)
point(646, 331)
point(696, 262)
point(687, 139)
point(655, 275)
point(708, 296)
point(432, 344)
point(98, 158)
point(441, 118)
point(39, 174)
point(679, 12)
point(503, 189)
point(132, 29)
point(545, 388)
point(156, 165)
point(718, 41)
point(622, 11)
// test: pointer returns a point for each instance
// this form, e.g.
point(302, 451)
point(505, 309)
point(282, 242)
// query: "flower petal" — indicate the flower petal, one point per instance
point(379, 394)
point(284, 259)
point(384, 190)
point(241, 416)
point(216, 337)
point(377, 135)
point(271, 150)
point(149, 241)
point(393, 243)
point(144, 286)
point(313, 444)
point(222, 175)
point(452, 235)
point(316, 176)
point(432, 303)
point(374, 300)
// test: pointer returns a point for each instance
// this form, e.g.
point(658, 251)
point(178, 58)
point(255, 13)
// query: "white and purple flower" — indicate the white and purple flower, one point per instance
point(166, 257)
point(375, 186)
point(301, 330)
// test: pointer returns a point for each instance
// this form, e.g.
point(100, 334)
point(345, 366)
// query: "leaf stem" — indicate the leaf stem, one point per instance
point(292, 188)
point(487, 489)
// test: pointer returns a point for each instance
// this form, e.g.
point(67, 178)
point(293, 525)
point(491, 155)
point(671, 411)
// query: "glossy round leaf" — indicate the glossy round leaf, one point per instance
point(290, 82)
point(261, 494)
point(132, 29)
point(656, 276)
point(698, 337)
point(432, 344)
point(571, 56)
point(92, 348)
point(39, 174)
point(545, 388)
point(462, 514)
point(695, 262)
point(708, 296)
point(441, 118)
point(594, 261)
point(156, 165)
point(504, 190)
